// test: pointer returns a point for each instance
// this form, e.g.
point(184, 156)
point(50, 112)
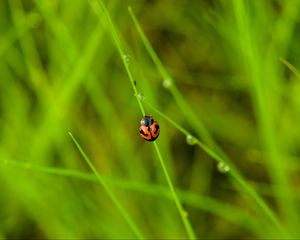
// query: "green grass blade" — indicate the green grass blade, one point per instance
point(112, 196)
point(181, 102)
point(264, 110)
point(181, 211)
point(244, 186)
point(100, 7)
point(291, 67)
point(204, 203)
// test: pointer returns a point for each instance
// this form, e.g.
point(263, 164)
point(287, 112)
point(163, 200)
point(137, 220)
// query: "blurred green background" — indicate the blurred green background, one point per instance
point(234, 65)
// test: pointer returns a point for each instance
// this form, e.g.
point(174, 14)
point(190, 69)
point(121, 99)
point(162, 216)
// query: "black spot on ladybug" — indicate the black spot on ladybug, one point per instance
point(143, 133)
point(156, 128)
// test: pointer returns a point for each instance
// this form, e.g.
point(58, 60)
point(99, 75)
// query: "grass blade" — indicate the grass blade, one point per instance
point(245, 187)
point(99, 7)
point(112, 196)
point(181, 211)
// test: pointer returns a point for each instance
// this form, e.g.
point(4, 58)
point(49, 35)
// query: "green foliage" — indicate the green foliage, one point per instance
point(221, 78)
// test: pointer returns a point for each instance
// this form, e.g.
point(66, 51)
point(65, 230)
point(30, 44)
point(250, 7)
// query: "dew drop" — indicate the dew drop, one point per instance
point(141, 96)
point(190, 140)
point(223, 168)
point(127, 59)
point(185, 214)
point(167, 83)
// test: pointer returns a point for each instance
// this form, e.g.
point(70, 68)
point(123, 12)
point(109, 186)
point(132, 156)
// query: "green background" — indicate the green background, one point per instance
point(232, 66)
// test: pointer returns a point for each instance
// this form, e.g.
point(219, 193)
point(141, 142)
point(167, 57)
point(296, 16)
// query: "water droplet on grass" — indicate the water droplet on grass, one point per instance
point(167, 83)
point(223, 168)
point(141, 96)
point(127, 59)
point(191, 140)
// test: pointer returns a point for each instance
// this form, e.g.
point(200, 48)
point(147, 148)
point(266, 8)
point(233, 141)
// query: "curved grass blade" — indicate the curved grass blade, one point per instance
point(112, 196)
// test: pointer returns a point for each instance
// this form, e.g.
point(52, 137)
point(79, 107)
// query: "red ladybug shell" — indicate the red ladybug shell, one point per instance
point(149, 129)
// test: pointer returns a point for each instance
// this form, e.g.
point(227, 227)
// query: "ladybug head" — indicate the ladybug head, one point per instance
point(147, 121)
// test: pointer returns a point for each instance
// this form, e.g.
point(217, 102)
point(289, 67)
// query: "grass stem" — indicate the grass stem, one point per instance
point(234, 172)
point(100, 7)
point(112, 196)
point(182, 212)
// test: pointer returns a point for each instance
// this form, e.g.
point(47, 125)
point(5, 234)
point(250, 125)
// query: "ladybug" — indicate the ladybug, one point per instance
point(149, 129)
